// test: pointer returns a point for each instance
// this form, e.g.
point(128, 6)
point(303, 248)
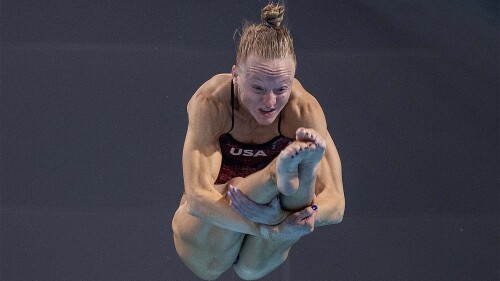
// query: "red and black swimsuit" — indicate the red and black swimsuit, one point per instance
point(241, 159)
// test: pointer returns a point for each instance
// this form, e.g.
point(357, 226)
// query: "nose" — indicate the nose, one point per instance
point(269, 99)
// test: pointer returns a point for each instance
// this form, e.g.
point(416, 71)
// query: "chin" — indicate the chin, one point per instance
point(266, 122)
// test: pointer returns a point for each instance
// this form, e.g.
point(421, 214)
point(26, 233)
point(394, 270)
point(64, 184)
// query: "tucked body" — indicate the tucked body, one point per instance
point(260, 168)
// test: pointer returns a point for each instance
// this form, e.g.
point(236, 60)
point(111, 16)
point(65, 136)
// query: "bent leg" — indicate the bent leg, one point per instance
point(296, 170)
point(207, 250)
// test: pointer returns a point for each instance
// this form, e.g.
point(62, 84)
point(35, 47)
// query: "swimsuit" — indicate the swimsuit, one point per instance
point(241, 159)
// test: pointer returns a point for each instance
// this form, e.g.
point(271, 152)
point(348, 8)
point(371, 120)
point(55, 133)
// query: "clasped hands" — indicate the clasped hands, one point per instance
point(282, 224)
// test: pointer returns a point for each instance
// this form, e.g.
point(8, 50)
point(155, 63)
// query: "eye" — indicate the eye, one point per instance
point(257, 87)
point(281, 90)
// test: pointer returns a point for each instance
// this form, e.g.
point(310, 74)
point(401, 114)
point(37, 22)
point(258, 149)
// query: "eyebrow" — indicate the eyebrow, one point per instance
point(284, 80)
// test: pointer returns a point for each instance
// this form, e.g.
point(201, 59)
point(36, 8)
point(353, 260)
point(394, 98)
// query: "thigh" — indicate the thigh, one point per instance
point(206, 250)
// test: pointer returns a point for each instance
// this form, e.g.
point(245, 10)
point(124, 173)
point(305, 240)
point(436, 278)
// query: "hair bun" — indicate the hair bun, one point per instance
point(272, 15)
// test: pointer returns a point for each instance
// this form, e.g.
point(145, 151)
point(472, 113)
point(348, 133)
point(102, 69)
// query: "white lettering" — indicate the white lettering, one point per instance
point(238, 153)
point(247, 152)
point(260, 153)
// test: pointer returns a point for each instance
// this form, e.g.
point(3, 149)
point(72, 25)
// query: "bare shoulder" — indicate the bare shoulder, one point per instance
point(215, 90)
point(302, 110)
point(210, 106)
point(301, 98)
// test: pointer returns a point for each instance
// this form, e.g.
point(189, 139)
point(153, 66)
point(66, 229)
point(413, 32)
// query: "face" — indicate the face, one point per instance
point(264, 86)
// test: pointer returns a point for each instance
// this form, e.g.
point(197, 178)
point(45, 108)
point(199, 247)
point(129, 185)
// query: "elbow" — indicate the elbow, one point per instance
point(201, 205)
point(194, 206)
point(338, 217)
point(338, 214)
point(335, 218)
point(192, 210)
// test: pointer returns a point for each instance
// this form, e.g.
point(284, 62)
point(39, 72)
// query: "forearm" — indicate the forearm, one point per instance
point(214, 208)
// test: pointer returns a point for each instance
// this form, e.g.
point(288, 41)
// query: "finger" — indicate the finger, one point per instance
point(234, 204)
point(304, 214)
point(308, 223)
point(243, 201)
point(237, 208)
point(253, 209)
point(241, 197)
point(312, 218)
point(311, 221)
point(243, 204)
point(233, 201)
point(313, 203)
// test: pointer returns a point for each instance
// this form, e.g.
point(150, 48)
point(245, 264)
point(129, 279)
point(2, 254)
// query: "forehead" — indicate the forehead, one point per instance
point(262, 68)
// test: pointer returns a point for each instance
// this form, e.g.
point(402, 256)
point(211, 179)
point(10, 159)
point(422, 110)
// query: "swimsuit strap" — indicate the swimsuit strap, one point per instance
point(232, 106)
point(279, 124)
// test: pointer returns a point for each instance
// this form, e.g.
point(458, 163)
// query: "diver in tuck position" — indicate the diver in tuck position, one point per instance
point(260, 167)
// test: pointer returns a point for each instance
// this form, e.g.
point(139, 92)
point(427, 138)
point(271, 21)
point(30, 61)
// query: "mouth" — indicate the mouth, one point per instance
point(267, 112)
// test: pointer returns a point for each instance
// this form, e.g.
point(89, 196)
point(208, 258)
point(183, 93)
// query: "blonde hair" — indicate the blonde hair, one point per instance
point(268, 39)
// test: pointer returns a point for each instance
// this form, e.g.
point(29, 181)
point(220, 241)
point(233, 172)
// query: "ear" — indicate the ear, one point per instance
point(234, 73)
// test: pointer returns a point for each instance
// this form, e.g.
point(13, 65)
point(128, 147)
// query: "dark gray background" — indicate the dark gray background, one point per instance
point(93, 98)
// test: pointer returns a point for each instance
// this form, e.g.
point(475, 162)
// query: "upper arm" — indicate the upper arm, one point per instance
point(201, 158)
point(329, 175)
point(308, 113)
point(329, 179)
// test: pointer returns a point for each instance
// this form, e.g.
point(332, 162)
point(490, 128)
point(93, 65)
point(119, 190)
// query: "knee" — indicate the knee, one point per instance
point(256, 268)
point(246, 272)
point(202, 270)
point(207, 275)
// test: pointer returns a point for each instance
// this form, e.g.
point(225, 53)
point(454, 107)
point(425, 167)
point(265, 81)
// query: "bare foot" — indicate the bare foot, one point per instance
point(307, 168)
point(299, 159)
point(305, 134)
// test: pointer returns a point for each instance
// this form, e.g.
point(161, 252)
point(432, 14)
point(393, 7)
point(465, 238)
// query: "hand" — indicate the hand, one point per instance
point(270, 214)
point(297, 224)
